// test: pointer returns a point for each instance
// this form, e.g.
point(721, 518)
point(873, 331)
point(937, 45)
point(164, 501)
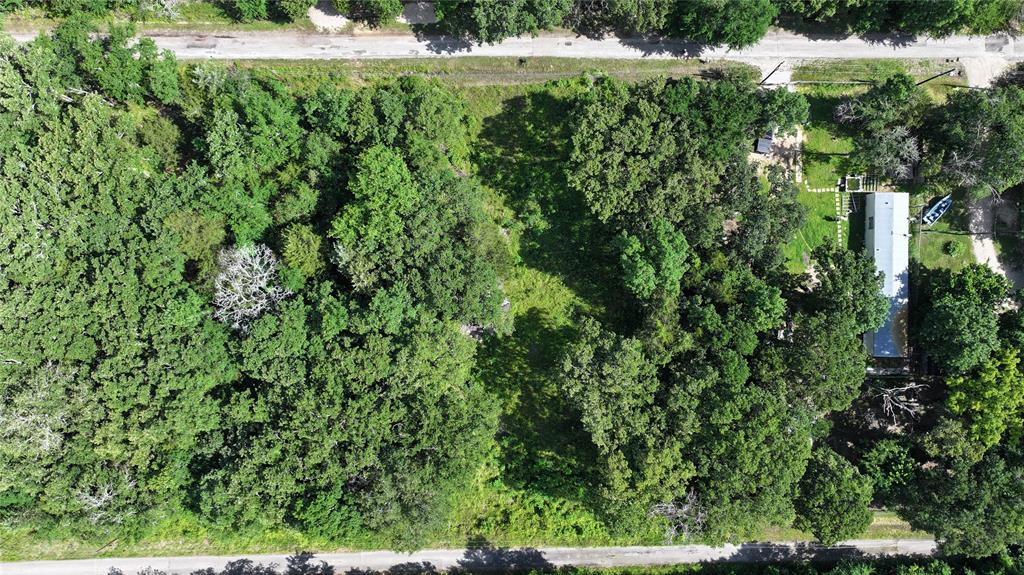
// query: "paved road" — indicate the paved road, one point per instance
point(491, 559)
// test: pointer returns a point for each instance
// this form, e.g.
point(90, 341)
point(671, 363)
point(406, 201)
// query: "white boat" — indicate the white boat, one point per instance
point(937, 211)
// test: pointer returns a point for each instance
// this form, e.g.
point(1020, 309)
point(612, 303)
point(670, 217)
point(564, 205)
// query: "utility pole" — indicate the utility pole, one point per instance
point(765, 79)
point(946, 73)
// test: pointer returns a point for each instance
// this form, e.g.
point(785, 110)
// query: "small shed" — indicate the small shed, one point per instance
point(887, 242)
point(764, 145)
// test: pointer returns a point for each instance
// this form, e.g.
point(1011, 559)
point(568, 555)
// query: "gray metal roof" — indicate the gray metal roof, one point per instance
point(887, 241)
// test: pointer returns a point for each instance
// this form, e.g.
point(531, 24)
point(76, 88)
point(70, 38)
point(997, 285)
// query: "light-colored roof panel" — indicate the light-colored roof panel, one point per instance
point(887, 241)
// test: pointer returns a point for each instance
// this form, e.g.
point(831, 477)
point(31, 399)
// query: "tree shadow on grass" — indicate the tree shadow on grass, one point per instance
point(544, 448)
point(822, 117)
point(523, 152)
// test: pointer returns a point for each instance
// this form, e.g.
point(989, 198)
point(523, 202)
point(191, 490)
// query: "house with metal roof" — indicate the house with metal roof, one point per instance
point(887, 242)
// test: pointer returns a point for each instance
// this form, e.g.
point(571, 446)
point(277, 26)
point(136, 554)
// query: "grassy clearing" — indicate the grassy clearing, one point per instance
point(820, 227)
point(184, 534)
point(534, 490)
point(884, 525)
point(934, 246)
point(826, 144)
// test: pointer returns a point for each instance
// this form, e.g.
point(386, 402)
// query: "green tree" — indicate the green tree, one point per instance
point(421, 235)
point(126, 73)
point(822, 362)
point(415, 422)
point(302, 250)
point(980, 139)
point(613, 385)
point(992, 399)
point(848, 287)
point(375, 12)
point(834, 498)
point(735, 23)
point(960, 335)
point(783, 110)
point(656, 263)
point(768, 215)
point(248, 10)
point(492, 21)
point(99, 318)
point(888, 118)
point(890, 467)
point(292, 9)
point(960, 328)
point(643, 17)
point(974, 509)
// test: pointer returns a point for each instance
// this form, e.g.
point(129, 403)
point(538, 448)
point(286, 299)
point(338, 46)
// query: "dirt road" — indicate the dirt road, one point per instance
point(982, 56)
point(492, 559)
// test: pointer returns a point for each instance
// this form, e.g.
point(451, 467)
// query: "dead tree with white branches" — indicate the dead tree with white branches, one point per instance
point(104, 503)
point(900, 402)
point(685, 516)
point(247, 285)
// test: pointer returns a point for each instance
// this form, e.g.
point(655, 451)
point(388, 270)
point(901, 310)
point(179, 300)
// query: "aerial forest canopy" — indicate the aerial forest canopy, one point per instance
point(278, 308)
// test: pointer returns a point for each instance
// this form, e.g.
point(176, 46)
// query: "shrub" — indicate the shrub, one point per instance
point(954, 249)
point(293, 9)
point(247, 10)
point(889, 466)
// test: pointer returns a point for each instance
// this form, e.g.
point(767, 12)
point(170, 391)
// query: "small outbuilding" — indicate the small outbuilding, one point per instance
point(887, 242)
point(764, 145)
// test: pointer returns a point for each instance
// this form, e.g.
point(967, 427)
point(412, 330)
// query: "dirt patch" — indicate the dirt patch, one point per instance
point(326, 18)
point(981, 219)
point(785, 152)
point(418, 13)
point(982, 71)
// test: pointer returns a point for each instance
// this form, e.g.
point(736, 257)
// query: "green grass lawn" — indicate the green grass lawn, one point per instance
point(931, 245)
point(884, 525)
point(826, 149)
point(819, 228)
point(827, 144)
point(472, 72)
point(184, 534)
point(534, 488)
